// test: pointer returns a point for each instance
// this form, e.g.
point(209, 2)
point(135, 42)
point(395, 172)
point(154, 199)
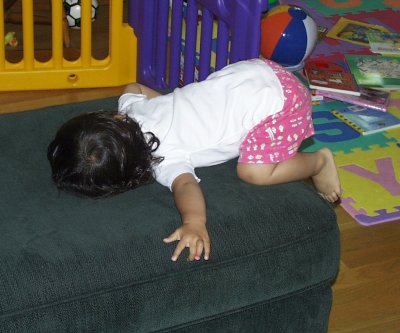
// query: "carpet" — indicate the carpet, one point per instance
point(369, 166)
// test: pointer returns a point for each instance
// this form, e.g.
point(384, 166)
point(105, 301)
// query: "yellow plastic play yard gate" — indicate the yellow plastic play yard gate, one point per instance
point(118, 68)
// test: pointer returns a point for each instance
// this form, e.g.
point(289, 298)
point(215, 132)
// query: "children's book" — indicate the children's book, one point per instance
point(365, 120)
point(330, 76)
point(371, 98)
point(384, 42)
point(378, 71)
point(353, 31)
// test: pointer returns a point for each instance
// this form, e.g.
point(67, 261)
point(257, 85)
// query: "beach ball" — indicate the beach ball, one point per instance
point(288, 36)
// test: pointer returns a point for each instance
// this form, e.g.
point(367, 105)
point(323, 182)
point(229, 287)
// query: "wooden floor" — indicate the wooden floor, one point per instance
point(367, 289)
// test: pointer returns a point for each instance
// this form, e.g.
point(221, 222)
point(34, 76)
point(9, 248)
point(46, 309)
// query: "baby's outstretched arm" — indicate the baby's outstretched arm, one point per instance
point(191, 205)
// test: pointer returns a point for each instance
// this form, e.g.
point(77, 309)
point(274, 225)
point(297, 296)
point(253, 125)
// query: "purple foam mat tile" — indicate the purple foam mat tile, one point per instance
point(330, 46)
point(381, 217)
point(362, 217)
point(347, 205)
point(387, 18)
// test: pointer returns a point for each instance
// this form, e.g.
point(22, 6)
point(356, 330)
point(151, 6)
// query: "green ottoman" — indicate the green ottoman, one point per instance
point(69, 264)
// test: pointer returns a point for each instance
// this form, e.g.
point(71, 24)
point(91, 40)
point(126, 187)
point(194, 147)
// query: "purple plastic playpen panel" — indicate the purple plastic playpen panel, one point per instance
point(158, 28)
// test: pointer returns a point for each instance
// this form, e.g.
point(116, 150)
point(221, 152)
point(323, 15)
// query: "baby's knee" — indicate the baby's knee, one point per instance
point(256, 174)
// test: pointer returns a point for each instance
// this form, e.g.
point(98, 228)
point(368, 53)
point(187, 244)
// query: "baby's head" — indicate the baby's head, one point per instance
point(101, 153)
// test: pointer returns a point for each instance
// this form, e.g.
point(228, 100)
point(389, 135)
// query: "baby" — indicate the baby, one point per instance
point(253, 110)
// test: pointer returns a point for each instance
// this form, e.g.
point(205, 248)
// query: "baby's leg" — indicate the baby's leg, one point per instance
point(320, 166)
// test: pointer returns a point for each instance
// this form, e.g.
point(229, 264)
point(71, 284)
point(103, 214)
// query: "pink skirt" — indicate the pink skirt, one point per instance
point(278, 137)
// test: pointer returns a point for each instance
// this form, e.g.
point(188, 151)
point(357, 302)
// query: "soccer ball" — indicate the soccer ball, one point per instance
point(73, 12)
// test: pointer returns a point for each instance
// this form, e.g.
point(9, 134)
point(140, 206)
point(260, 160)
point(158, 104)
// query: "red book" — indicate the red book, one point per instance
point(330, 76)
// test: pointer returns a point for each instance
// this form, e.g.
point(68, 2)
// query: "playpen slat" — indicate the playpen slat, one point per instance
point(152, 44)
point(162, 39)
point(190, 42)
point(176, 39)
point(123, 47)
point(27, 31)
point(241, 45)
point(57, 33)
point(205, 42)
point(145, 28)
point(116, 15)
point(86, 32)
point(222, 45)
point(2, 33)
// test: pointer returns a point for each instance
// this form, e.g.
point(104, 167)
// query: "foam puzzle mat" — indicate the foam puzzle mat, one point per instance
point(369, 166)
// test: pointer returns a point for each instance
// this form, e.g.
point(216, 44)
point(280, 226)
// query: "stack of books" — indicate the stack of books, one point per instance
point(358, 79)
point(364, 81)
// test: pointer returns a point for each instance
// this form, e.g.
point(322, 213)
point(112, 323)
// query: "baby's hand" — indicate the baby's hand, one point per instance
point(191, 235)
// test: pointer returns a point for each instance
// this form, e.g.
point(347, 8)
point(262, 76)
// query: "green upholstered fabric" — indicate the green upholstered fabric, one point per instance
point(69, 264)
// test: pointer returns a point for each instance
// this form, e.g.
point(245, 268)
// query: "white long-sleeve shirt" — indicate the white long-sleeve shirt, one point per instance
point(204, 123)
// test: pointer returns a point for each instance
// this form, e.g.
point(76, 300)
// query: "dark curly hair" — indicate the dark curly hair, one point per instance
point(102, 153)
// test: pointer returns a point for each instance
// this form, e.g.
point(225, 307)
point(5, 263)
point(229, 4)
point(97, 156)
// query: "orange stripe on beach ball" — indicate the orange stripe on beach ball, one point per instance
point(271, 31)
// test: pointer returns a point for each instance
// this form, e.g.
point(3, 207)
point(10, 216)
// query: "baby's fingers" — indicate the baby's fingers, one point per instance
point(193, 249)
point(175, 236)
point(201, 245)
point(207, 248)
point(199, 250)
point(178, 250)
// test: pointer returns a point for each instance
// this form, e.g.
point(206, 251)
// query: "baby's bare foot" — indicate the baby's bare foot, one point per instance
point(327, 181)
